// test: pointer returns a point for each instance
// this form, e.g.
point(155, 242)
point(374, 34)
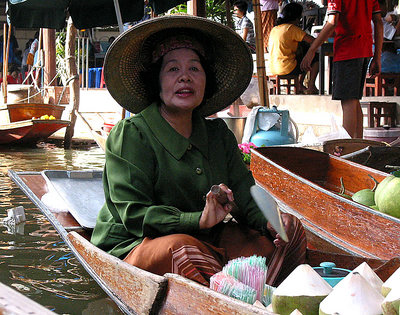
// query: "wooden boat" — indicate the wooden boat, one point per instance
point(58, 194)
point(20, 123)
point(307, 183)
point(29, 131)
point(13, 302)
point(374, 154)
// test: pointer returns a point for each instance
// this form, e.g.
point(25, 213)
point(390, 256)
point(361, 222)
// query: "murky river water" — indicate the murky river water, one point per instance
point(33, 259)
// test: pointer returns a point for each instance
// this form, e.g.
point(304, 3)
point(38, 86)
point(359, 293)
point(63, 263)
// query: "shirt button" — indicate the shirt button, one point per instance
point(199, 171)
point(189, 147)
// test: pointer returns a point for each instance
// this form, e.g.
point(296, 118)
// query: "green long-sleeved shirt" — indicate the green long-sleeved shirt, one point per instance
point(156, 180)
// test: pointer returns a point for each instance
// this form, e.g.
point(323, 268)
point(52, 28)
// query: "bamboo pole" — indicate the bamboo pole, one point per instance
point(261, 74)
point(6, 44)
point(3, 85)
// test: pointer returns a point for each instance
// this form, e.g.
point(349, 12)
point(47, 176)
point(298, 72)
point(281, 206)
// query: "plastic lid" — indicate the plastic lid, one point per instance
point(328, 270)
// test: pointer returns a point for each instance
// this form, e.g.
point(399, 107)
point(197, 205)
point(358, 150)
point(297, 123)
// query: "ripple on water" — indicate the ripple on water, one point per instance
point(33, 258)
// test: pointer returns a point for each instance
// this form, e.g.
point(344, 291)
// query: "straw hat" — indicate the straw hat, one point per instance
point(131, 53)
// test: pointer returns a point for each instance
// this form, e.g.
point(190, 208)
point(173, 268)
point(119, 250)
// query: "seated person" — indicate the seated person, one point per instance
point(244, 26)
point(288, 44)
point(159, 213)
point(390, 62)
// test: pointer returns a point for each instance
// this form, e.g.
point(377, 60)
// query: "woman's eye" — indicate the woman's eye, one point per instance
point(194, 69)
point(173, 69)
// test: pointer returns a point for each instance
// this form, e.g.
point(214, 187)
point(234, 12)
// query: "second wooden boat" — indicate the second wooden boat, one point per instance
point(307, 183)
point(29, 131)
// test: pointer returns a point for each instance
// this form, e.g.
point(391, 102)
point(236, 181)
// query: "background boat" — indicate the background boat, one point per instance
point(307, 183)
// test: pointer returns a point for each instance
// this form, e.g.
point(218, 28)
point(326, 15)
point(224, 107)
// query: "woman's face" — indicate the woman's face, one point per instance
point(182, 80)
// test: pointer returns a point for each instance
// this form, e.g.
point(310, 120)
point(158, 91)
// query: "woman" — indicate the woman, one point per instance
point(161, 163)
point(288, 44)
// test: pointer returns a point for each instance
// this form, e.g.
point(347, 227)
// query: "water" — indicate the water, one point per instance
point(33, 259)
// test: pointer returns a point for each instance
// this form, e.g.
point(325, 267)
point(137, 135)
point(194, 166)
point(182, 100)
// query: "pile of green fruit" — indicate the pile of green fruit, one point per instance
point(384, 197)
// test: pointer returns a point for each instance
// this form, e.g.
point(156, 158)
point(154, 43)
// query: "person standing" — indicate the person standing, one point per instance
point(244, 26)
point(352, 49)
point(269, 13)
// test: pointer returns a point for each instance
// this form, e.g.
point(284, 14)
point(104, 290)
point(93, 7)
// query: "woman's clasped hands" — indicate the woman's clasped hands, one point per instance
point(214, 212)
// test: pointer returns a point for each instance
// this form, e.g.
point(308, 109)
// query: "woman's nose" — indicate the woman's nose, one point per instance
point(185, 77)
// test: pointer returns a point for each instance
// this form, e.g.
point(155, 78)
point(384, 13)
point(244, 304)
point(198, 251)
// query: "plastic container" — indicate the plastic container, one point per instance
point(330, 273)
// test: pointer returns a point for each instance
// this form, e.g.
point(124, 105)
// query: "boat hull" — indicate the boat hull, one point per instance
point(29, 131)
point(307, 182)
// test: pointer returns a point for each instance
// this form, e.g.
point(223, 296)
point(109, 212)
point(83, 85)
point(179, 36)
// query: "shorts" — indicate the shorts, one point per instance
point(348, 78)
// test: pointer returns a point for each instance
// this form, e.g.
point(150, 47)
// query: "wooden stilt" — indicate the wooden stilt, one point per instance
point(74, 83)
point(261, 74)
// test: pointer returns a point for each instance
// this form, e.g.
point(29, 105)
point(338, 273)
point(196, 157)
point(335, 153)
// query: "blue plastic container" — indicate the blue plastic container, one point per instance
point(330, 273)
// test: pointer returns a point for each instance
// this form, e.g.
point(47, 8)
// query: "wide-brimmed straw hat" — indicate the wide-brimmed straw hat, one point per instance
point(131, 53)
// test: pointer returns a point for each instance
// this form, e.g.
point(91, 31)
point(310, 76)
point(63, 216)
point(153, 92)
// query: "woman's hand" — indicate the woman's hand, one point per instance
point(214, 212)
point(288, 225)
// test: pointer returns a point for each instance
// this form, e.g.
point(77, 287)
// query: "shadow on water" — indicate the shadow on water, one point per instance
point(33, 258)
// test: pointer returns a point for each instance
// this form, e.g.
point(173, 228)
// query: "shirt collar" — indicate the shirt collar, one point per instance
point(171, 140)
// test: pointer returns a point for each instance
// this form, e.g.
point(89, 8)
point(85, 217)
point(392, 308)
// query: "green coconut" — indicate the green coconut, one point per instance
point(366, 196)
point(391, 282)
point(372, 278)
point(387, 196)
point(374, 207)
point(352, 295)
point(391, 303)
point(303, 290)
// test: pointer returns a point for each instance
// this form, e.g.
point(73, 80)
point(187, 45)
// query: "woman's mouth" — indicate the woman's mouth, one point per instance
point(184, 92)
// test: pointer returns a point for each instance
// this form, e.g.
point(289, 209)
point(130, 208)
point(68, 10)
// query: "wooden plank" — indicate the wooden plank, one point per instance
point(141, 291)
point(37, 184)
point(188, 297)
point(302, 189)
point(13, 302)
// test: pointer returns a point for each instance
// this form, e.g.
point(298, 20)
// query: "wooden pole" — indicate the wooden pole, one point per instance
point(73, 81)
point(261, 74)
point(49, 47)
point(5, 61)
point(6, 44)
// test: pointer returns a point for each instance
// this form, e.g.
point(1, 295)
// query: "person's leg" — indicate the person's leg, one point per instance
point(348, 83)
point(268, 19)
point(352, 117)
point(312, 89)
point(178, 253)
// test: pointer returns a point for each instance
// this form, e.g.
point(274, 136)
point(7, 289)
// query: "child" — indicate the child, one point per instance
point(288, 43)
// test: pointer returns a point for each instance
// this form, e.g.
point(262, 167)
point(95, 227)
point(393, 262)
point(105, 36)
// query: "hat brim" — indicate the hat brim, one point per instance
point(232, 62)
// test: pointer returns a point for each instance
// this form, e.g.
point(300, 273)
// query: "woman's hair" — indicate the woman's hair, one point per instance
point(241, 5)
point(290, 13)
point(152, 79)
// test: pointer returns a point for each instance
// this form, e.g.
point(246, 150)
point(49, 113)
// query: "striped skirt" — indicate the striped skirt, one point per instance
point(198, 258)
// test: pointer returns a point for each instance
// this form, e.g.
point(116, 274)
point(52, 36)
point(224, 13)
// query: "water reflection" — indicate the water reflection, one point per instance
point(33, 258)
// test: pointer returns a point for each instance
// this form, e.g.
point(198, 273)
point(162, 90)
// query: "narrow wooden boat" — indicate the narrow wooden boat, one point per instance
point(58, 194)
point(29, 131)
point(307, 183)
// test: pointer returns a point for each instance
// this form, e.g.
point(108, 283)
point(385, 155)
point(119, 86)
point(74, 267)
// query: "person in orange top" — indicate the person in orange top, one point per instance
point(287, 46)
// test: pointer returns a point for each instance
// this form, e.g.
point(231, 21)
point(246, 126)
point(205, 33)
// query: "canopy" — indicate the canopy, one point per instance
point(84, 13)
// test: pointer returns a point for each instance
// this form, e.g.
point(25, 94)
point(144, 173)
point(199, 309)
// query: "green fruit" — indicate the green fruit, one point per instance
point(387, 196)
point(365, 196)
